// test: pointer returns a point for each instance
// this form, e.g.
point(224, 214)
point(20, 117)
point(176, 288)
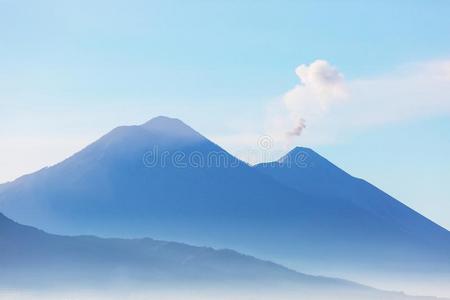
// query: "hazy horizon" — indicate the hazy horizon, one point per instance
point(154, 149)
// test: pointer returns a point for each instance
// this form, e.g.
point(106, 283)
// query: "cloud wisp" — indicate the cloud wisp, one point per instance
point(298, 129)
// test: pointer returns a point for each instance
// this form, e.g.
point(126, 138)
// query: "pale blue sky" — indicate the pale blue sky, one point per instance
point(72, 70)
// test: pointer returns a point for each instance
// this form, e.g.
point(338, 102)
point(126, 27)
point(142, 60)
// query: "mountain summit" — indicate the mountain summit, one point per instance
point(304, 167)
point(171, 127)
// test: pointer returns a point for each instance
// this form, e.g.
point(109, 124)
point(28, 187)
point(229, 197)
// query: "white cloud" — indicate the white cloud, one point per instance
point(332, 107)
point(320, 84)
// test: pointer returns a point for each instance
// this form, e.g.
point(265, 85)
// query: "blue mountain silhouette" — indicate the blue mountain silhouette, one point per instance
point(163, 179)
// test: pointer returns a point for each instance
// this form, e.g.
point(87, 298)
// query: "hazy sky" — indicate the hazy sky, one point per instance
point(371, 82)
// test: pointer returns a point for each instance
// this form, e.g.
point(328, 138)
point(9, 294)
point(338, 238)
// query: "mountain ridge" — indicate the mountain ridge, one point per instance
point(24, 239)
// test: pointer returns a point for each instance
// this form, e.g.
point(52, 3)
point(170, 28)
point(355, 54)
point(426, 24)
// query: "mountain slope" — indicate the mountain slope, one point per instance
point(165, 180)
point(311, 174)
point(31, 256)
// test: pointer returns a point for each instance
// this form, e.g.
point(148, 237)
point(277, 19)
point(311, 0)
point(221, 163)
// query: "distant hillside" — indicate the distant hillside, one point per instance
point(32, 260)
point(32, 256)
